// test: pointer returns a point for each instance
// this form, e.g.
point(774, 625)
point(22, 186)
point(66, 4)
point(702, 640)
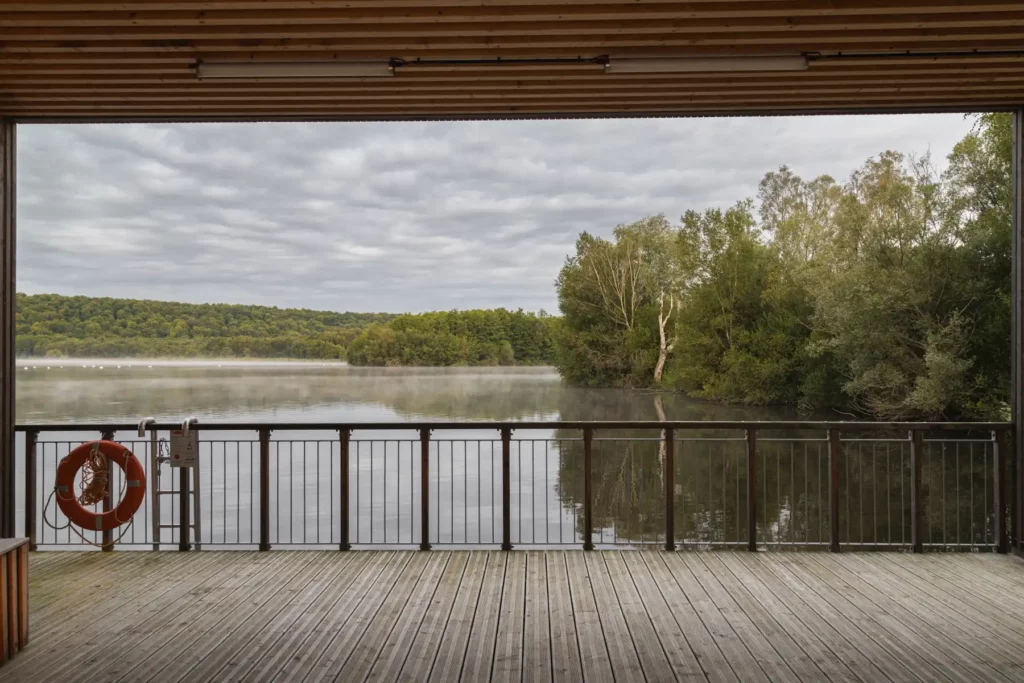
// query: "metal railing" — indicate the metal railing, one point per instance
point(590, 484)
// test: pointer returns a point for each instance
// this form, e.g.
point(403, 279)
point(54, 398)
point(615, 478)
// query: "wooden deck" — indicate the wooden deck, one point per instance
point(530, 616)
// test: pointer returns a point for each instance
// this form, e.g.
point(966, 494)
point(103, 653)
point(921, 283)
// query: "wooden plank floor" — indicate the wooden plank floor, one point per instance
point(523, 616)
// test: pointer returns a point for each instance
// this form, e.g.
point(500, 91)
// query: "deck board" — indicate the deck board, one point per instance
point(525, 616)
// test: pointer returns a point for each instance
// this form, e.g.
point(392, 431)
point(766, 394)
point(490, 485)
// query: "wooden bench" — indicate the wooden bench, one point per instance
point(13, 596)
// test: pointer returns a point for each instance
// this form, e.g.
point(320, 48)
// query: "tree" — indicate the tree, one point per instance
point(617, 298)
point(887, 295)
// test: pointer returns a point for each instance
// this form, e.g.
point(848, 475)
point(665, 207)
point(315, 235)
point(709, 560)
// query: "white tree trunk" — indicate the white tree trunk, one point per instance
point(664, 346)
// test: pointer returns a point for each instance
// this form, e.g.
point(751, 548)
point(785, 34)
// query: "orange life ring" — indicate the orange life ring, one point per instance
point(135, 486)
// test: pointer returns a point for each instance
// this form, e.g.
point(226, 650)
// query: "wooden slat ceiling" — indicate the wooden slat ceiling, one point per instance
point(76, 59)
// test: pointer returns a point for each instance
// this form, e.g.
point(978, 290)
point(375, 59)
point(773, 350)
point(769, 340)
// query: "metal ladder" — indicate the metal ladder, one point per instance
point(157, 461)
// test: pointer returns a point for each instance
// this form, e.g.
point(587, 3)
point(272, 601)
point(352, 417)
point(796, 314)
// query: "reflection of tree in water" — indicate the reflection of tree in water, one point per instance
point(792, 486)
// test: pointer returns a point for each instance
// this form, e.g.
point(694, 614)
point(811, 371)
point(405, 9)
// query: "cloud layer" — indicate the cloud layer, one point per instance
point(391, 217)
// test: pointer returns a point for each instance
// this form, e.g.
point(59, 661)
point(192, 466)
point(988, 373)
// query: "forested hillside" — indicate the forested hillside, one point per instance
point(78, 326)
point(885, 295)
point(492, 337)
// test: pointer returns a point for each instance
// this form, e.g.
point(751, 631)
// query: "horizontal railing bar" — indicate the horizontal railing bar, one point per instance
point(783, 440)
point(457, 426)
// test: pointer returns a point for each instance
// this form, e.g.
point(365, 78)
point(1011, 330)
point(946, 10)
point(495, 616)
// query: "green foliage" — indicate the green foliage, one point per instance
point(494, 337)
point(888, 295)
point(56, 326)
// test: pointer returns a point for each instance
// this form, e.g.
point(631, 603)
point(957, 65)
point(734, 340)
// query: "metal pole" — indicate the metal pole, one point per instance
point(916, 456)
point(108, 499)
point(264, 489)
point(833, 489)
point(7, 324)
point(752, 490)
point(346, 438)
point(999, 482)
point(588, 494)
point(31, 436)
point(425, 488)
point(506, 488)
point(668, 469)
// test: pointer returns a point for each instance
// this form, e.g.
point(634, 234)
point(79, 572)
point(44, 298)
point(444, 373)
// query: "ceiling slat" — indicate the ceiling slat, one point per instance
point(104, 60)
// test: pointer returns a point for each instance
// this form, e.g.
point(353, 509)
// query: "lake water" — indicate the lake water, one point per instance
point(465, 466)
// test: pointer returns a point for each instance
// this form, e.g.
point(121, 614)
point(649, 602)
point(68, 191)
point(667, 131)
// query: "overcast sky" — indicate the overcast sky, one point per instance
point(391, 217)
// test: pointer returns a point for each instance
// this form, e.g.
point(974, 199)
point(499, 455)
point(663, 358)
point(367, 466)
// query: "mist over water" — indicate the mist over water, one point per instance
point(121, 390)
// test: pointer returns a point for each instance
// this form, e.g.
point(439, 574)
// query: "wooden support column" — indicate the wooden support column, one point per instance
point(8, 283)
point(1017, 330)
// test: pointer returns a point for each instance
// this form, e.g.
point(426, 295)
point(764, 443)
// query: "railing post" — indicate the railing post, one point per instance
point(346, 439)
point(752, 490)
point(506, 488)
point(668, 469)
point(264, 489)
point(588, 494)
point(999, 482)
point(31, 437)
point(184, 511)
point(424, 488)
point(916, 456)
point(1015, 499)
point(834, 449)
point(108, 499)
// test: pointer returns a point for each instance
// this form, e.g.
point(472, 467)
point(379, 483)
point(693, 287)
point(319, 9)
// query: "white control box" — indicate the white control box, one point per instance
point(184, 448)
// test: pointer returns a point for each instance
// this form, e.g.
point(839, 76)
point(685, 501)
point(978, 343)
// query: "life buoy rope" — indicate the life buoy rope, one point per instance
point(92, 457)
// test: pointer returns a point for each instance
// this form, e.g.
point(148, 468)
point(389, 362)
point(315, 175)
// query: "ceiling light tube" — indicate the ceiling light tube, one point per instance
point(220, 70)
point(705, 64)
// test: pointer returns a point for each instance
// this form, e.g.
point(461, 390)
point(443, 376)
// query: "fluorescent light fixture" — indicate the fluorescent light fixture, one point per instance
point(705, 64)
point(293, 69)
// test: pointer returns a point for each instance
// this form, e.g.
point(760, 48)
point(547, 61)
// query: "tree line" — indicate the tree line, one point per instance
point(886, 295)
point(55, 326)
point(51, 325)
point(477, 337)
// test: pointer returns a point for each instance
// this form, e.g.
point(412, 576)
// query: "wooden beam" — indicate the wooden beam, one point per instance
point(723, 8)
point(556, 24)
point(7, 288)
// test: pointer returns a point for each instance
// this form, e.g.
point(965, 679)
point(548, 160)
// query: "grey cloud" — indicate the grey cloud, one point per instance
point(391, 217)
